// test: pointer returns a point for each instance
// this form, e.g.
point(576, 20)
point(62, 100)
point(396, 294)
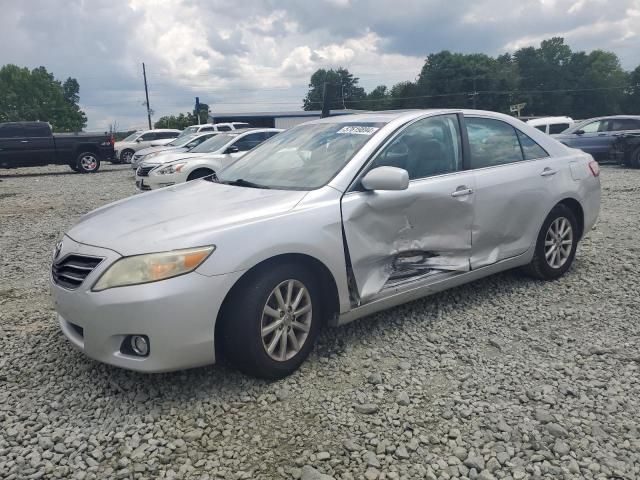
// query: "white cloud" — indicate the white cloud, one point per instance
point(260, 55)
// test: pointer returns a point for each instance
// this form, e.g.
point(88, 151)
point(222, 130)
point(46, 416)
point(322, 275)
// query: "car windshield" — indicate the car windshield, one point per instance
point(188, 131)
point(303, 158)
point(131, 137)
point(181, 141)
point(213, 144)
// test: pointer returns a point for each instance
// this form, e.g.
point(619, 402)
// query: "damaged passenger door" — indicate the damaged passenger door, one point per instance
point(396, 237)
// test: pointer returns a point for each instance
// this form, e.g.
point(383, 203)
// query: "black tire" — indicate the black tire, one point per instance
point(126, 156)
point(88, 162)
point(242, 322)
point(540, 267)
point(74, 167)
point(635, 158)
point(200, 173)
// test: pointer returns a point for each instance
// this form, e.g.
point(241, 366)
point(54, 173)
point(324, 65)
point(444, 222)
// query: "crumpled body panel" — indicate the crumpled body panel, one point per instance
point(399, 235)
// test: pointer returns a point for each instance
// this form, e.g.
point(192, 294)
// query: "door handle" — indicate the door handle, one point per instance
point(462, 191)
point(548, 172)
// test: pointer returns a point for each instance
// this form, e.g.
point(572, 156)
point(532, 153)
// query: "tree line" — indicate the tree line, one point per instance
point(36, 95)
point(551, 79)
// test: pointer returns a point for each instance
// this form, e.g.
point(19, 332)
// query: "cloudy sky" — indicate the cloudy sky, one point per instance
point(258, 55)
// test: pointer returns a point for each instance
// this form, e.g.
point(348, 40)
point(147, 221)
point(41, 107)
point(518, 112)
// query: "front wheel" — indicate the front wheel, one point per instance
point(556, 245)
point(200, 173)
point(271, 320)
point(88, 162)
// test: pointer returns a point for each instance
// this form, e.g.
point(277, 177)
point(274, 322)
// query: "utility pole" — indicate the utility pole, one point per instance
point(146, 93)
point(198, 109)
point(326, 100)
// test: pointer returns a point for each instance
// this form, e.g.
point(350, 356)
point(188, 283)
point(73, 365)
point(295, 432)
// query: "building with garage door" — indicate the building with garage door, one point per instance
point(274, 119)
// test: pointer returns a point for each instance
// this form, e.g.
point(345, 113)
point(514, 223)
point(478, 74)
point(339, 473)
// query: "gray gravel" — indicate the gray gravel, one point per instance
point(503, 378)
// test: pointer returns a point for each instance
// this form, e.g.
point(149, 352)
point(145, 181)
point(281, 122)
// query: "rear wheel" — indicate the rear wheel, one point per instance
point(556, 245)
point(126, 156)
point(200, 173)
point(87, 162)
point(271, 320)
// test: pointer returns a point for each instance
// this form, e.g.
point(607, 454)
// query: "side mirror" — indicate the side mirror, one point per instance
point(232, 149)
point(138, 140)
point(579, 132)
point(386, 178)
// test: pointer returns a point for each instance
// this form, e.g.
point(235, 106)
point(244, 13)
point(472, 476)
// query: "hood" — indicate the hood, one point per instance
point(183, 216)
point(171, 156)
point(146, 151)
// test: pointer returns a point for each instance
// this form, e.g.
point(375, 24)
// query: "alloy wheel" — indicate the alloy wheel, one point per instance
point(89, 163)
point(286, 320)
point(126, 156)
point(558, 242)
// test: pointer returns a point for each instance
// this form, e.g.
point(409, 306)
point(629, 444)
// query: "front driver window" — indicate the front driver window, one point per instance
point(428, 147)
point(592, 127)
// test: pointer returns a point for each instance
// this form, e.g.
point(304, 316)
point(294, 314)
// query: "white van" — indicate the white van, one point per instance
point(551, 125)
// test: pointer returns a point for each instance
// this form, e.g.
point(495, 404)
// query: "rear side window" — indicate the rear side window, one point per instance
point(530, 149)
point(36, 130)
point(618, 124)
point(558, 128)
point(492, 142)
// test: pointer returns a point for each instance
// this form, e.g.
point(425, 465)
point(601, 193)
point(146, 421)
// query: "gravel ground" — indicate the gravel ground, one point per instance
point(504, 378)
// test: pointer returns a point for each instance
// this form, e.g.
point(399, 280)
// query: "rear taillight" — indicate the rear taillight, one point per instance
point(595, 168)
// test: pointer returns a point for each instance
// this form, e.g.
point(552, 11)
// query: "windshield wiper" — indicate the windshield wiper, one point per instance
point(239, 182)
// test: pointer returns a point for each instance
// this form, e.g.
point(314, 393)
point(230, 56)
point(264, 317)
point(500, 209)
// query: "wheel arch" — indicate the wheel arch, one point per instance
point(575, 206)
point(329, 287)
point(87, 147)
point(201, 168)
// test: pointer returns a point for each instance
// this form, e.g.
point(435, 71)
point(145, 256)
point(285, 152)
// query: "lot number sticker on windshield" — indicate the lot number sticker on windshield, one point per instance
point(358, 130)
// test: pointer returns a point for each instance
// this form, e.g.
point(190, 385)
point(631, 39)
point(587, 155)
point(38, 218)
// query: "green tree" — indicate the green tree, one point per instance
point(342, 86)
point(36, 95)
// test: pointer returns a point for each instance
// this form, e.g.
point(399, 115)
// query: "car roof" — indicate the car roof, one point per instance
point(613, 117)
point(548, 120)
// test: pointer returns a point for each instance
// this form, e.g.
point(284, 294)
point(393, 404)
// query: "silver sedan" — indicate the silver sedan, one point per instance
point(325, 223)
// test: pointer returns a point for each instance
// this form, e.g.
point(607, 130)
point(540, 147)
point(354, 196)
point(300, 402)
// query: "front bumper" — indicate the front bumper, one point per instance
point(178, 315)
point(153, 181)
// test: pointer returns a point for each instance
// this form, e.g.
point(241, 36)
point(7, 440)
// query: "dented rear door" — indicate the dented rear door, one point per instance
point(399, 236)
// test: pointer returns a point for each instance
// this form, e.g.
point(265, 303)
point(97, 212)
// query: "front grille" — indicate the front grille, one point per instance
point(144, 171)
point(71, 271)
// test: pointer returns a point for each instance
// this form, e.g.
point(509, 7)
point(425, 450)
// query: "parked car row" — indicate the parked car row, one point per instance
point(595, 136)
point(327, 222)
point(165, 168)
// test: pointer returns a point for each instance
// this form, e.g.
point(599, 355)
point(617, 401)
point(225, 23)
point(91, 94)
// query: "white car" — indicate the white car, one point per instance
point(204, 160)
point(125, 149)
point(215, 127)
point(180, 144)
point(551, 125)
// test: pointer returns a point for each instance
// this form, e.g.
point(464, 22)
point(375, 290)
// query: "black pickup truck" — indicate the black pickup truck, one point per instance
point(29, 144)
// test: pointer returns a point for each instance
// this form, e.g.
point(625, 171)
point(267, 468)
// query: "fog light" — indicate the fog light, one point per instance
point(139, 345)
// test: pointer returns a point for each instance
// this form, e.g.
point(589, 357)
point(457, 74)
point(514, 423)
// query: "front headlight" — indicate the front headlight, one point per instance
point(169, 169)
point(152, 267)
